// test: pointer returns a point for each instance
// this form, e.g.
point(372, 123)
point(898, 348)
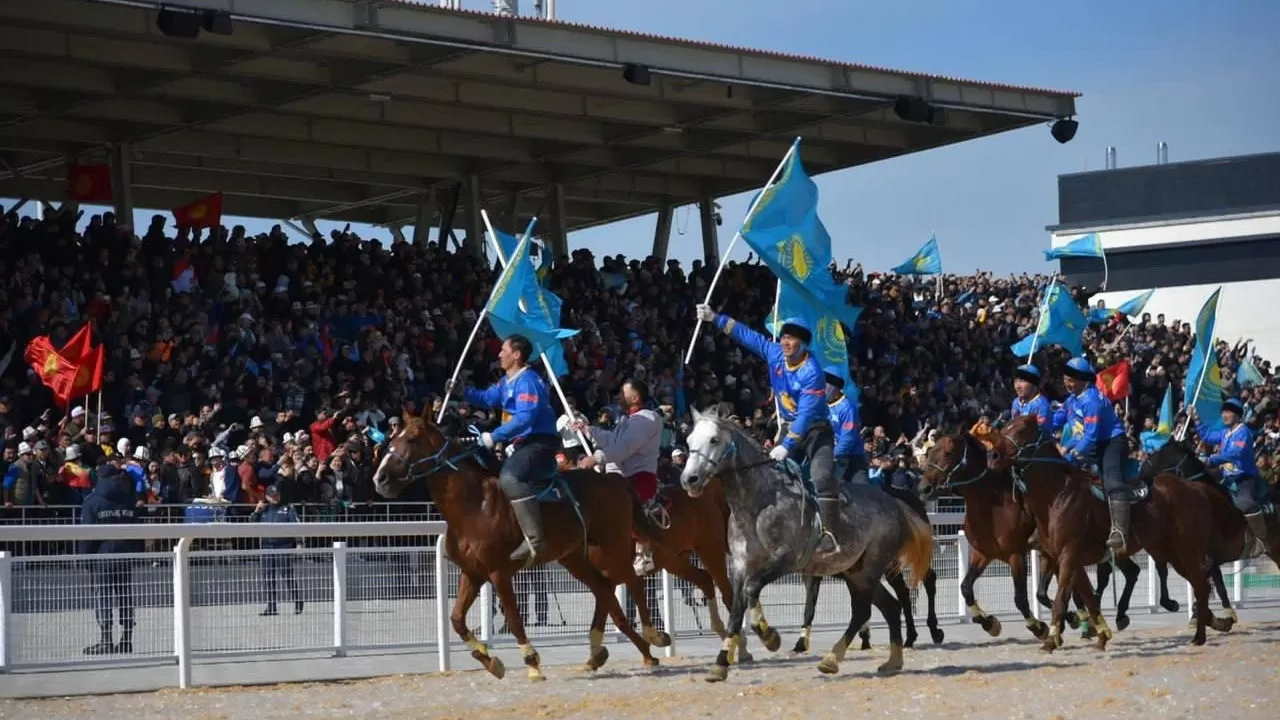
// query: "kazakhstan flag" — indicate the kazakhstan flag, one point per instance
point(1204, 390)
point(1061, 323)
point(519, 305)
point(1083, 246)
point(1153, 440)
point(926, 261)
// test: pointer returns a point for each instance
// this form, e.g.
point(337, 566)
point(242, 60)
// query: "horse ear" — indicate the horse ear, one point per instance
point(697, 415)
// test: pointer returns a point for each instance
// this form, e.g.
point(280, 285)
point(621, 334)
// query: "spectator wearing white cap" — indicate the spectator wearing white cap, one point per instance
point(22, 479)
point(136, 468)
point(74, 475)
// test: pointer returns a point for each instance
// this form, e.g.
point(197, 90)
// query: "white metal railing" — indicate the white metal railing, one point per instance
point(193, 604)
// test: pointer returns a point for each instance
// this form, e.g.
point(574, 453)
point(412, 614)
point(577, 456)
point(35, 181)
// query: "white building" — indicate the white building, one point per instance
point(1184, 229)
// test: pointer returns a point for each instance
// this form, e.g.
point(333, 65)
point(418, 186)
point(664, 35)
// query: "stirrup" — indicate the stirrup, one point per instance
point(835, 544)
point(643, 564)
point(658, 514)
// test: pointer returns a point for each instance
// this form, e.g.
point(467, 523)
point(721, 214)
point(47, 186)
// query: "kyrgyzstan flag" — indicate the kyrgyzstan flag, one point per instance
point(203, 213)
point(1113, 382)
point(89, 183)
point(57, 373)
point(184, 275)
point(81, 352)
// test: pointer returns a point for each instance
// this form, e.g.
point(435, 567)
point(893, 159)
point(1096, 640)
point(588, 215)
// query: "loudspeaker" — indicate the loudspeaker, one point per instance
point(635, 74)
point(217, 22)
point(178, 23)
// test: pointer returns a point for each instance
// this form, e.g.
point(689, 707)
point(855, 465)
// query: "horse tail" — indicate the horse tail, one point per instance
point(917, 551)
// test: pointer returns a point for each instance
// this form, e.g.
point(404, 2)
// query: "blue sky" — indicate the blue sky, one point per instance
point(1200, 76)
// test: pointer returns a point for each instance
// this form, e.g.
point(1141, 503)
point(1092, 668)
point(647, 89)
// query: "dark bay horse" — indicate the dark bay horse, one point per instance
point(483, 532)
point(773, 531)
point(895, 580)
point(1073, 524)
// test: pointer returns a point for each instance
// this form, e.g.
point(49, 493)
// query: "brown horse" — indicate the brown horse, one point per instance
point(1073, 524)
point(482, 532)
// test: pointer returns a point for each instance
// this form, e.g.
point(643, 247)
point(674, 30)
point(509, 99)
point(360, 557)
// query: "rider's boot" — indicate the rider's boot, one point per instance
point(1258, 526)
point(1119, 524)
point(829, 513)
point(644, 559)
point(529, 515)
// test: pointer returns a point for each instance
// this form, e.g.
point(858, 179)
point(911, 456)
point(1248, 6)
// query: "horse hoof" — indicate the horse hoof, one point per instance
point(1170, 605)
point(1223, 624)
point(496, 668)
point(771, 639)
point(1088, 633)
point(992, 625)
point(651, 662)
point(660, 639)
point(536, 676)
point(1073, 620)
point(937, 635)
point(1039, 629)
point(1198, 640)
point(746, 658)
point(1230, 613)
point(890, 667)
point(717, 673)
point(829, 665)
point(1122, 622)
point(802, 645)
point(866, 644)
point(910, 642)
point(598, 657)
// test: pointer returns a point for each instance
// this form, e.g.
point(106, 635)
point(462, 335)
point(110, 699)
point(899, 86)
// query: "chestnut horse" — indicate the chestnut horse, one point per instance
point(1073, 524)
point(482, 532)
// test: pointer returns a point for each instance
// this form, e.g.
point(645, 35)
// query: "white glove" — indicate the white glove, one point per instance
point(779, 453)
point(449, 385)
point(486, 439)
point(705, 313)
point(598, 456)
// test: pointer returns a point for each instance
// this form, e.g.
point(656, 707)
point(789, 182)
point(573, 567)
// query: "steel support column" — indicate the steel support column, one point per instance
point(710, 235)
point(555, 234)
point(122, 183)
point(426, 216)
point(662, 232)
point(475, 223)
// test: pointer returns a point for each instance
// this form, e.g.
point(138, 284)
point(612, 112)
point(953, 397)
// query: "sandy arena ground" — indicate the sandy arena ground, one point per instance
point(1147, 672)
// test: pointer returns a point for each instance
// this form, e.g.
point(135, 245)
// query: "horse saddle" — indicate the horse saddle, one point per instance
point(1138, 490)
point(555, 489)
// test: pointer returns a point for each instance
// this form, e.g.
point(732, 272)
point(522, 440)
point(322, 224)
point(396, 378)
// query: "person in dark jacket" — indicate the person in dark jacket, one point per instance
point(275, 564)
point(111, 503)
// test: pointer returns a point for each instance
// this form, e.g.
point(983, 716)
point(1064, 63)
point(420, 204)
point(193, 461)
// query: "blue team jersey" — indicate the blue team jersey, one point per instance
point(1234, 450)
point(801, 388)
point(525, 404)
point(1088, 419)
point(1038, 406)
point(844, 421)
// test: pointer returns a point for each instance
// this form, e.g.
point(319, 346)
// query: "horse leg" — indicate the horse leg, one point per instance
point(468, 591)
point(511, 608)
point(899, 585)
point(1131, 571)
point(859, 614)
point(639, 594)
point(1047, 570)
point(977, 564)
point(931, 593)
point(1088, 632)
point(1166, 602)
point(737, 609)
point(713, 556)
point(811, 585)
point(1098, 623)
point(1018, 569)
point(890, 609)
point(1220, 584)
point(602, 588)
point(767, 634)
point(1066, 570)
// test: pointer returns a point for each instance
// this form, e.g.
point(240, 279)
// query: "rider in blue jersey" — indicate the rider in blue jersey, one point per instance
point(1234, 456)
point(1029, 401)
point(1097, 437)
point(850, 455)
point(528, 426)
point(800, 386)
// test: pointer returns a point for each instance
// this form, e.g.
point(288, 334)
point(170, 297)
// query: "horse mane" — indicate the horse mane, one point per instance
point(1207, 478)
point(738, 432)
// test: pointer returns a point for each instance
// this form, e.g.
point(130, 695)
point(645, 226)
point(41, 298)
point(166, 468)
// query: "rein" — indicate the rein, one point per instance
point(1177, 469)
point(949, 481)
point(442, 458)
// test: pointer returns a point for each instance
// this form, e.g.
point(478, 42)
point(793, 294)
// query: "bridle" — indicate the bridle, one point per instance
point(949, 473)
point(444, 458)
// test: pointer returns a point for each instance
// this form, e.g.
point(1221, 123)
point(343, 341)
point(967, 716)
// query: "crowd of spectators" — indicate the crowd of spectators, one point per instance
point(287, 363)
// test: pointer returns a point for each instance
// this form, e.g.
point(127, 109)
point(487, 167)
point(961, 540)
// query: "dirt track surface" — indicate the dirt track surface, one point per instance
point(1149, 673)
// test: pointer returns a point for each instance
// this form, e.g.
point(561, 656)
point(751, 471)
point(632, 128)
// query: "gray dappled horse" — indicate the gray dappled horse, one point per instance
point(773, 531)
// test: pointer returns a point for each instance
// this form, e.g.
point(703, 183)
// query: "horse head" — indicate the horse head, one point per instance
point(1176, 457)
point(710, 443)
point(1007, 445)
point(417, 444)
point(953, 460)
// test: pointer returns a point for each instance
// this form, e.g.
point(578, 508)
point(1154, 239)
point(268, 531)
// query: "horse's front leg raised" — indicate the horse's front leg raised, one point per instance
point(515, 623)
point(468, 591)
point(931, 593)
point(1131, 571)
point(1166, 602)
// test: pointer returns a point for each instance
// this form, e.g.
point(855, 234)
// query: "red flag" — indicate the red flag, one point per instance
point(81, 352)
point(89, 183)
point(1113, 382)
point(55, 371)
point(79, 346)
point(203, 213)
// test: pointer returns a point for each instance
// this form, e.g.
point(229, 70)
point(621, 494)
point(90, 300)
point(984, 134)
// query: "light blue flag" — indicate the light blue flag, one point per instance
point(830, 342)
point(1100, 315)
point(1248, 374)
point(1083, 246)
point(1133, 307)
point(1061, 323)
point(926, 261)
point(1153, 440)
point(538, 319)
point(785, 231)
point(1203, 389)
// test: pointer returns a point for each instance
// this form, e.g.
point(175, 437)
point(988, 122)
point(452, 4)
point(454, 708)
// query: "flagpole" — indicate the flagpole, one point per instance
point(1044, 308)
point(1105, 271)
point(546, 362)
point(462, 359)
point(715, 279)
point(777, 325)
point(1122, 334)
point(1204, 370)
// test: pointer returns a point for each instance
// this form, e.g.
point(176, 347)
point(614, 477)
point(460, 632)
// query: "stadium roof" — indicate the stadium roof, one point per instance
point(357, 109)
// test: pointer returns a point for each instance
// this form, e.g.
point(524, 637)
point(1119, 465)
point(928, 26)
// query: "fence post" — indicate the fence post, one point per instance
point(1237, 582)
point(182, 610)
point(1033, 584)
point(1191, 601)
point(962, 569)
point(6, 606)
point(669, 611)
point(486, 612)
point(442, 605)
point(339, 599)
point(1153, 601)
